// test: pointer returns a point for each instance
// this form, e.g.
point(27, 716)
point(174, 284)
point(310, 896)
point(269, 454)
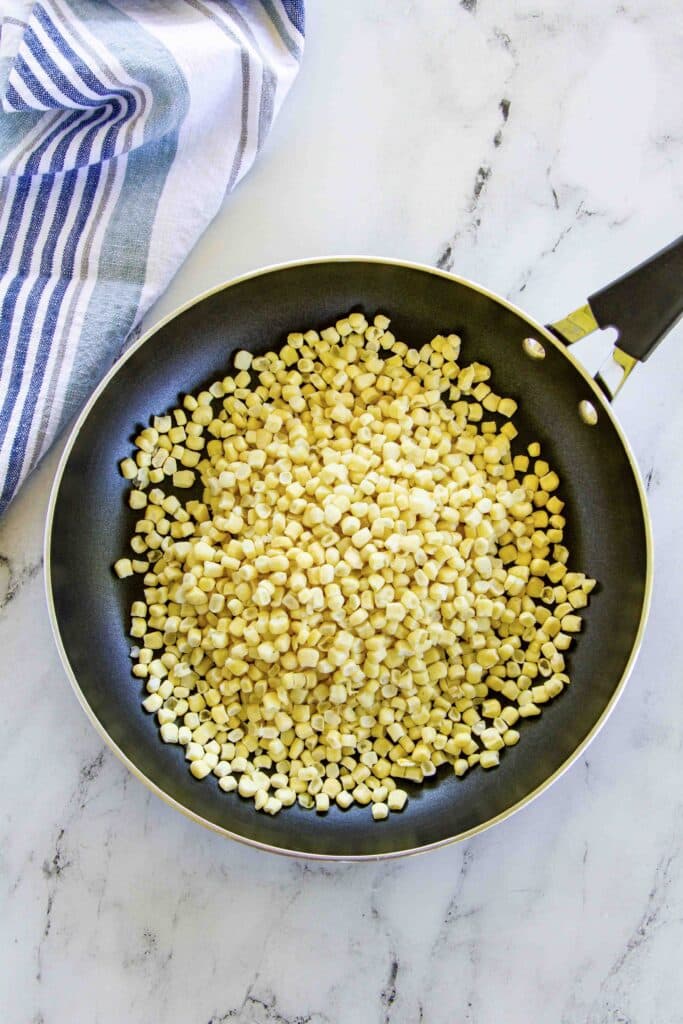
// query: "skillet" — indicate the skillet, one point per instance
point(608, 527)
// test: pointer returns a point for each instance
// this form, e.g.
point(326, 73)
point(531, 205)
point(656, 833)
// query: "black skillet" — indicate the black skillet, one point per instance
point(608, 531)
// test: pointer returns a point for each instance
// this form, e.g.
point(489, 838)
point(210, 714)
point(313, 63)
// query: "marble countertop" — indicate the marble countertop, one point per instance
point(538, 149)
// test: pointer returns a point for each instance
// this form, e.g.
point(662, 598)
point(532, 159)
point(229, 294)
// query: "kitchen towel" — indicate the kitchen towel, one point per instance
point(123, 125)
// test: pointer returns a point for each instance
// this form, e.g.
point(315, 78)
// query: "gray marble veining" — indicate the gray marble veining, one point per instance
point(537, 148)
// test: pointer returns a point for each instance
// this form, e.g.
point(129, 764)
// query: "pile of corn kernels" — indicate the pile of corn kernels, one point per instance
point(372, 583)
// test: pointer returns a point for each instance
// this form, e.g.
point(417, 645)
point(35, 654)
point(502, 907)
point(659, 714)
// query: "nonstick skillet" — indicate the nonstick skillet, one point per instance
point(608, 529)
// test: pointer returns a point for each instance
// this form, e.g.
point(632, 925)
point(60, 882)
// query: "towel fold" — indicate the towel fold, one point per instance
point(123, 125)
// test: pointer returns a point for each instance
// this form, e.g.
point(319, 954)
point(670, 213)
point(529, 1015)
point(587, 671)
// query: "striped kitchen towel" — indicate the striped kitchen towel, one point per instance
point(123, 125)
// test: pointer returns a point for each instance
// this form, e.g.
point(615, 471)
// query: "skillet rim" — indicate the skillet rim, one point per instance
point(605, 406)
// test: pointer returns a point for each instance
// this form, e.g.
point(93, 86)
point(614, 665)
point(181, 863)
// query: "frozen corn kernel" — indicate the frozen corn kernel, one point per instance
point(247, 787)
point(243, 360)
point(322, 803)
point(183, 478)
point(396, 800)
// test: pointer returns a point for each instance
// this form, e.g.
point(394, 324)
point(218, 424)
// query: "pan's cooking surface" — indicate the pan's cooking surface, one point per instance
point(606, 535)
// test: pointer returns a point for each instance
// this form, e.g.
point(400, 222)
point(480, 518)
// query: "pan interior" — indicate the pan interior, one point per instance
point(606, 535)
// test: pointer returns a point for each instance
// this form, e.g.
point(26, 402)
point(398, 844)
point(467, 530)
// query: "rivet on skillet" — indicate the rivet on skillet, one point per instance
point(588, 413)
point(533, 348)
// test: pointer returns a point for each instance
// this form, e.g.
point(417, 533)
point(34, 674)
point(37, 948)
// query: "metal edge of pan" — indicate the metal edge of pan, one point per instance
point(508, 812)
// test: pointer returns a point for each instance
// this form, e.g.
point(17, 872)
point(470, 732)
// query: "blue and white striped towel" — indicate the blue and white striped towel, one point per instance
point(123, 125)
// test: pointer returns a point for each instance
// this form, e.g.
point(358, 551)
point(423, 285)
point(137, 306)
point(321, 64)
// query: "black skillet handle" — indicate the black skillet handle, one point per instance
point(645, 303)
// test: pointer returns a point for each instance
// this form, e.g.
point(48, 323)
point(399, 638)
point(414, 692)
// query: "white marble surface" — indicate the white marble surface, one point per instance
point(116, 909)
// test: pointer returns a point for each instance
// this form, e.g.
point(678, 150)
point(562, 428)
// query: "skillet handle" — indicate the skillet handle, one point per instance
point(644, 304)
